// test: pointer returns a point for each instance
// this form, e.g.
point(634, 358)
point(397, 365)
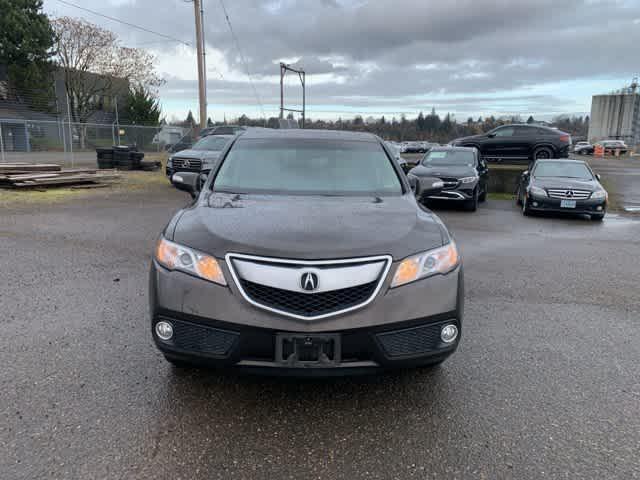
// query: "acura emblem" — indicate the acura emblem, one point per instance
point(309, 281)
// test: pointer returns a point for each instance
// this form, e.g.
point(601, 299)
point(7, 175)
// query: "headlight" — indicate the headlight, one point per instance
point(440, 260)
point(170, 162)
point(468, 179)
point(540, 192)
point(599, 194)
point(176, 257)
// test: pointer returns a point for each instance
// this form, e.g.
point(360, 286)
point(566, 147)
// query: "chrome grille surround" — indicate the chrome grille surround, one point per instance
point(186, 164)
point(568, 193)
point(333, 271)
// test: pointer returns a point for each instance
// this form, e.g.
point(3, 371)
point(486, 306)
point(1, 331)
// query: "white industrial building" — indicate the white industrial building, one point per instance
point(616, 116)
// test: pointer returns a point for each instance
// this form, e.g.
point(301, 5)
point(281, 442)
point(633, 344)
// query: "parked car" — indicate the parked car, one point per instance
point(463, 171)
point(611, 146)
point(583, 148)
point(306, 253)
point(562, 186)
point(201, 157)
point(519, 142)
point(394, 149)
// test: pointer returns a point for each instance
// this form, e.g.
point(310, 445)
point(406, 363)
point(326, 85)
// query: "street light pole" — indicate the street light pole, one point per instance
point(202, 82)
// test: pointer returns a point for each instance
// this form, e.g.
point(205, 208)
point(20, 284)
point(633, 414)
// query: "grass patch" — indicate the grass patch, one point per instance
point(500, 196)
point(10, 197)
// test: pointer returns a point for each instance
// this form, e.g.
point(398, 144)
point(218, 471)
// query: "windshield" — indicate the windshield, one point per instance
point(449, 157)
point(562, 169)
point(211, 142)
point(307, 167)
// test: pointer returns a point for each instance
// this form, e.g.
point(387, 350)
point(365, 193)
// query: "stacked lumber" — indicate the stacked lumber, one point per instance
point(43, 175)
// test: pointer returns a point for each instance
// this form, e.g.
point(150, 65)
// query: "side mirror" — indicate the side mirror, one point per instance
point(187, 182)
point(598, 176)
point(427, 187)
point(491, 135)
point(525, 173)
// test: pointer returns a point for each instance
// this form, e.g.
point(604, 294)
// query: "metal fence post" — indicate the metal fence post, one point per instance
point(2, 143)
point(70, 131)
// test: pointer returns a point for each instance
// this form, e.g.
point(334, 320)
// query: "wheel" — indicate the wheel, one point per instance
point(178, 363)
point(472, 205)
point(598, 217)
point(542, 153)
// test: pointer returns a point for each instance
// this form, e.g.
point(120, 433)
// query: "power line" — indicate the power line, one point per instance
point(242, 57)
point(65, 2)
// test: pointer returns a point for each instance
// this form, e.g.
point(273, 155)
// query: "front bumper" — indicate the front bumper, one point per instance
point(462, 193)
point(214, 326)
point(583, 207)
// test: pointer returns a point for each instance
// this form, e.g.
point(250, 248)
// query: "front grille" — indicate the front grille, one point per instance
point(308, 304)
point(410, 341)
point(201, 339)
point(186, 164)
point(569, 193)
point(450, 183)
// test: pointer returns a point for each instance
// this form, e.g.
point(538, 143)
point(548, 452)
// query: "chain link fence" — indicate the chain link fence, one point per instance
point(74, 144)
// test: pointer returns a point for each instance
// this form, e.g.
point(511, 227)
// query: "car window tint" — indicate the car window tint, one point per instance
point(301, 166)
point(449, 157)
point(504, 132)
point(211, 142)
point(562, 169)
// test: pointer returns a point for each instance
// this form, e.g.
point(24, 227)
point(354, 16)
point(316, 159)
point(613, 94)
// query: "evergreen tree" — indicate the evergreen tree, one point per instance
point(142, 108)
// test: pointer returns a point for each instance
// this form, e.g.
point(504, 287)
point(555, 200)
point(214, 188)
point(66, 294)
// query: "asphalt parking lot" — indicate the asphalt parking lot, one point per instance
point(545, 383)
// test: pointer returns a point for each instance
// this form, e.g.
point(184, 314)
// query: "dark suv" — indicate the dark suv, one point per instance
point(463, 172)
point(519, 143)
point(306, 252)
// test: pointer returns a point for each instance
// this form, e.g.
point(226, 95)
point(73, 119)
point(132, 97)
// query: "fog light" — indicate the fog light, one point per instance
point(449, 333)
point(599, 207)
point(164, 330)
point(535, 204)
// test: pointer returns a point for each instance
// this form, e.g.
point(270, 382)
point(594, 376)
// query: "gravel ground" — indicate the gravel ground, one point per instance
point(544, 385)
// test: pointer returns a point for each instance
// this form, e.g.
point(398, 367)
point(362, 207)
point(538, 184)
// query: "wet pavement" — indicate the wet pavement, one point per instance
point(545, 383)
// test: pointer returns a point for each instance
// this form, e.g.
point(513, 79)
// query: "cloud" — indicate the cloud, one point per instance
point(405, 54)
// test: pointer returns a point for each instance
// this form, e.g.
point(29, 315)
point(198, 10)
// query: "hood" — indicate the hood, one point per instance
point(559, 182)
point(457, 171)
point(197, 154)
point(308, 227)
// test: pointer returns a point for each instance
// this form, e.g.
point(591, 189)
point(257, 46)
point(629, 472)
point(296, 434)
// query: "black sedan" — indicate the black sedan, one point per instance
point(567, 186)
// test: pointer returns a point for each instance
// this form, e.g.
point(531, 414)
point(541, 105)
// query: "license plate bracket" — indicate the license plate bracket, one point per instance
point(308, 350)
point(567, 204)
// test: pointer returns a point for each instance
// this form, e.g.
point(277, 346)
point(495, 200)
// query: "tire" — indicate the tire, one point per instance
point(542, 153)
point(483, 196)
point(598, 217)
point(472, 205)
point(518, 197)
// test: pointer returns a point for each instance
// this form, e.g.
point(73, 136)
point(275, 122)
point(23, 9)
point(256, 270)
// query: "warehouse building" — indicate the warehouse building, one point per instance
point(616, 116)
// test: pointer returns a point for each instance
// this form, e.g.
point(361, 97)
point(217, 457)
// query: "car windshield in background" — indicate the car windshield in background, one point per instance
point(307, 167)
point(211, 143)
point(562, 169)
point(449, 157)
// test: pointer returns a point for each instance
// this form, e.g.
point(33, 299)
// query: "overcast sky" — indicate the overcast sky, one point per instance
point(369, 57)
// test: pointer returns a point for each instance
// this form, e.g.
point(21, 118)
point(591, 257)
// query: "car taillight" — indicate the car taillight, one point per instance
point(565, 138)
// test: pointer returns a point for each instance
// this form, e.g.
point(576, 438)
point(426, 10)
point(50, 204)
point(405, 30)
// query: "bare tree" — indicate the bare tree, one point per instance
point(97, 68)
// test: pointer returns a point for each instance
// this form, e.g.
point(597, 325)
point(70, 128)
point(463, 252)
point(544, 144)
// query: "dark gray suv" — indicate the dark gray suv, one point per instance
point(305, 252)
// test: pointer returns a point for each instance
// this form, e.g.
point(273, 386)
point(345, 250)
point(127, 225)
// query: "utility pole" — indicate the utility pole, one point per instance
point(202, 76)
point(302, 76)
